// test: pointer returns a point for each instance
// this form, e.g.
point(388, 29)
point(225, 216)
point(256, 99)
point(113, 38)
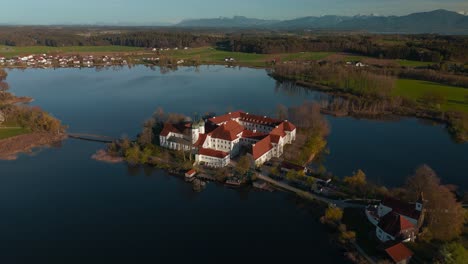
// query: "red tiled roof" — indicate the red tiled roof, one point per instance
point(263, 120)
point(278, 130)
point(393, 224)
point(174, 128)
point(227, 131)
point(201, 140)
point(191, 172)
point(261, 147)
point(253, 135)
point(275, 138)
point(212, 153)
point(399, 252)
point(288, 126)
point(401, 207)
point(225, 118)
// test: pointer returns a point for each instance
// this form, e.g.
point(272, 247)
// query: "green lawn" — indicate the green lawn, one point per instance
point(409, 63)
point(354, 58)
point(14, 51)
point(306, 56)
point(11, 132)
point(212, 55)
point(415, 89)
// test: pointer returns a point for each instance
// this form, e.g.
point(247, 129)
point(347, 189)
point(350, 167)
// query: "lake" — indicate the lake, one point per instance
point(58, 203)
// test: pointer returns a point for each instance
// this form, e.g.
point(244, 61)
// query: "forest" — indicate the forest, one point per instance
point(428, 48)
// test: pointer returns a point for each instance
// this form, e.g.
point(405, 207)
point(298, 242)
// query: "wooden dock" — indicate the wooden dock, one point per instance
point(206, 177)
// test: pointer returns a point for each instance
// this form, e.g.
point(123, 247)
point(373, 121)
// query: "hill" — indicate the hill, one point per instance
point(437, 21)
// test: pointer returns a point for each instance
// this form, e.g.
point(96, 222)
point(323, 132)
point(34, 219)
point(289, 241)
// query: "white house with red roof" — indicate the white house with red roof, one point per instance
point(396, 220)
point(264, 137)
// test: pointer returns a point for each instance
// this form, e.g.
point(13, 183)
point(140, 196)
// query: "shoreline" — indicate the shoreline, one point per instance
point(391, 114)
point(11, 147)
point(443, 118)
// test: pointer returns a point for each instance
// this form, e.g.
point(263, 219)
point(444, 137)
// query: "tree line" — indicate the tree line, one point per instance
point(430, 48)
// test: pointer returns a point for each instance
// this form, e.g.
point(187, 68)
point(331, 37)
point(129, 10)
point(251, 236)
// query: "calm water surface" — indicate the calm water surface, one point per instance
point(58, 202)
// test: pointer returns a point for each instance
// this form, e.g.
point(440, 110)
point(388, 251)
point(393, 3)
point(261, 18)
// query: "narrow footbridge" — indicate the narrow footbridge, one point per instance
point(308, 195)
point(92, 137)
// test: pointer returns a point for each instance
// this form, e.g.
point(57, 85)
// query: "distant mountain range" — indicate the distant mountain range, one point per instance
point(437, 21)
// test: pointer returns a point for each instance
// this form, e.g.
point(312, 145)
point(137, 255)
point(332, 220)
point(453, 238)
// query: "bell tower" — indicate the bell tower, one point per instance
point(420, 202)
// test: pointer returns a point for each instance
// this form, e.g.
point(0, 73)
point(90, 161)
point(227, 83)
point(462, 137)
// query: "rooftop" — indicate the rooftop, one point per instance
point(399, 252)
point(402, 208)
point(228, 131)
point(213, 153)
point(261, 147)
point(393, 224)
point(181, 128)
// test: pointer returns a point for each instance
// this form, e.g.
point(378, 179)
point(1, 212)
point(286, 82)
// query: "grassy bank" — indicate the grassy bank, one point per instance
point(11, 132)
point(454, 97)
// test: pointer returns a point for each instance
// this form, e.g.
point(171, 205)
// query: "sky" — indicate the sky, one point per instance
point(172, 11)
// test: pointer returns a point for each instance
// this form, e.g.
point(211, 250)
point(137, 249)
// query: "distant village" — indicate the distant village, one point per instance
point(50, 61)
point(75, 61)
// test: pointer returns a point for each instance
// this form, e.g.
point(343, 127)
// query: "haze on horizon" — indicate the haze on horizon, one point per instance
point(49, 12)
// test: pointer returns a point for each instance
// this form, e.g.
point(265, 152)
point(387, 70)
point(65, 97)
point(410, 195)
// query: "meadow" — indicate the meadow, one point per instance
point(212, 55)
point(11, 132)
point(455, 97)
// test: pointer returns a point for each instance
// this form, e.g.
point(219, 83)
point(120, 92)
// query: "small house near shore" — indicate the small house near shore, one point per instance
point(191, 173)
point(396, 220)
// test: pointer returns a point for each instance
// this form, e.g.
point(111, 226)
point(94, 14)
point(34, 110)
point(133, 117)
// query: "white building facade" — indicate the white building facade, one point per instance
point(264, 136)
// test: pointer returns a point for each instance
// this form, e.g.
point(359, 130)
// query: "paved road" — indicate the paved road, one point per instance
point(309, 195)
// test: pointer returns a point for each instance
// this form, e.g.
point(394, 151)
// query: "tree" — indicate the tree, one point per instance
point(132, 155)
point(444, 215)
point(3, 85)
point(274, 171)
point(345, 235)
point(146, 154)
point(452, 253)
point(434, 98)
point(243, 165)
point(333, 215)
point(358, 179)
point(221, 174)
point(282, 112)
point(146, 136)
point(310, 181)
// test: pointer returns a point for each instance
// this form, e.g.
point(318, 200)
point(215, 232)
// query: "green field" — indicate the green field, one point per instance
point(353, 58)
point(306, 56)
point(11, 132)
point(14, 51)
point(213, 55)
point(408, 63)
point(415, 89)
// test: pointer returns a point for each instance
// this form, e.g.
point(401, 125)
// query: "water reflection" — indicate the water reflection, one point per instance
point(117, 103)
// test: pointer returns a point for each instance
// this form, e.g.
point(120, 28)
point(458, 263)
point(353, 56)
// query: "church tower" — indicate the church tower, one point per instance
point(420, 202)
